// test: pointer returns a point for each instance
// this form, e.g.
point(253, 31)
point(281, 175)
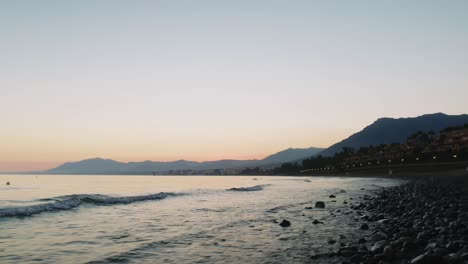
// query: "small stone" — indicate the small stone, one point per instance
point(388, 251)
point(379, 236)
point(464, 256)
point(430, 246)
point(426, 258)
point(346, 252)
point(319, 204)
point(362, 240)
point(453, 258)
point(285, 223)
point(410, 245)
point(332, 196)
point(378, 246)
point(331, 241)
point(453, 246)
point(316, 222)
point(357, 258)
point(383, 221)
point(364, 227)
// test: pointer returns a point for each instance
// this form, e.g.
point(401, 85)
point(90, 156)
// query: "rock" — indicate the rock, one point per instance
point(464, 256)
point(379, 246)
point(383, 221)
point(364, 227)
point(379, 236)
point(440, 251)
point(453, 259)
point(427, 259)
point(332, 196)
point(357, 258)
point(388, 251)
point(308, 207)
point(362, 240)
point(7, 183)
point(331, 241)
point(410, 245)
point(319, 204)
point(285, 223)
point(430, 246)
point(453, 246)
point(346, 252)
point(316, 222)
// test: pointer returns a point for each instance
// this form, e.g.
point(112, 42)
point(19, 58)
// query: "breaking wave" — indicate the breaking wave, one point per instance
point(68, 202)
point(248, 189)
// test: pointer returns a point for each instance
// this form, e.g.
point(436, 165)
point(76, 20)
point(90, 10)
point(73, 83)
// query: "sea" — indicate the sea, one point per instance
point(178, 219)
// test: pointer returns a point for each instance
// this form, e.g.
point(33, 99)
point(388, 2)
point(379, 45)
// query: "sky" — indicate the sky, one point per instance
point(207, 80)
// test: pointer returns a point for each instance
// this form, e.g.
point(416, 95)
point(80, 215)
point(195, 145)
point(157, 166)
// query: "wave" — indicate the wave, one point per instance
point(69, 202)
point(247, 189)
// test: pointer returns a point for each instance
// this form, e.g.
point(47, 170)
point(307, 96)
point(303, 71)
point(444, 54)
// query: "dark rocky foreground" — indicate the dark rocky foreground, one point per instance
point(423, 221)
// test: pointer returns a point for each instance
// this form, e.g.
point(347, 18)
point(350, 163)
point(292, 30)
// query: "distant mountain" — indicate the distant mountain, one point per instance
point(107, 166)
point(391, 130)
point(288, 155)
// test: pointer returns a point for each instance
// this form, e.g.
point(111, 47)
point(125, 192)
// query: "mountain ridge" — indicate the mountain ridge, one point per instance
point(388, 130)
point(108, 166)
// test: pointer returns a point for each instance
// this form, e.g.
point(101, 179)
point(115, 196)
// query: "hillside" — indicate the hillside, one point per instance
point(391, 130)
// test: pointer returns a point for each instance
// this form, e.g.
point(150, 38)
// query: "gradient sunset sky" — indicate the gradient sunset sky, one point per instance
point(208, 80)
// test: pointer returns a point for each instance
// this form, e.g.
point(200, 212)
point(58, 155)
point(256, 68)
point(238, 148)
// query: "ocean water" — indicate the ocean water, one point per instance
point(176, 219)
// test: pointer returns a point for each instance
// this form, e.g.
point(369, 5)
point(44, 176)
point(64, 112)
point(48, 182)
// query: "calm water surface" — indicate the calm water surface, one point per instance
point(174, 219)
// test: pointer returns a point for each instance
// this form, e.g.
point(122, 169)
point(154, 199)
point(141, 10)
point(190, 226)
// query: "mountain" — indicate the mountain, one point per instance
point(288, 155)
point(391, 130)
point(107, 166)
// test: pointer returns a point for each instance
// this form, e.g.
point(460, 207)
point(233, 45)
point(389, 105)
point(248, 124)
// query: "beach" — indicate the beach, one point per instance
point(250, 219)
point(422, 221)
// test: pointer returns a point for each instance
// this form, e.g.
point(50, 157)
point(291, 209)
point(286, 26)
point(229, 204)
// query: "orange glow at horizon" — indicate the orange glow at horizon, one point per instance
point(34, 153)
